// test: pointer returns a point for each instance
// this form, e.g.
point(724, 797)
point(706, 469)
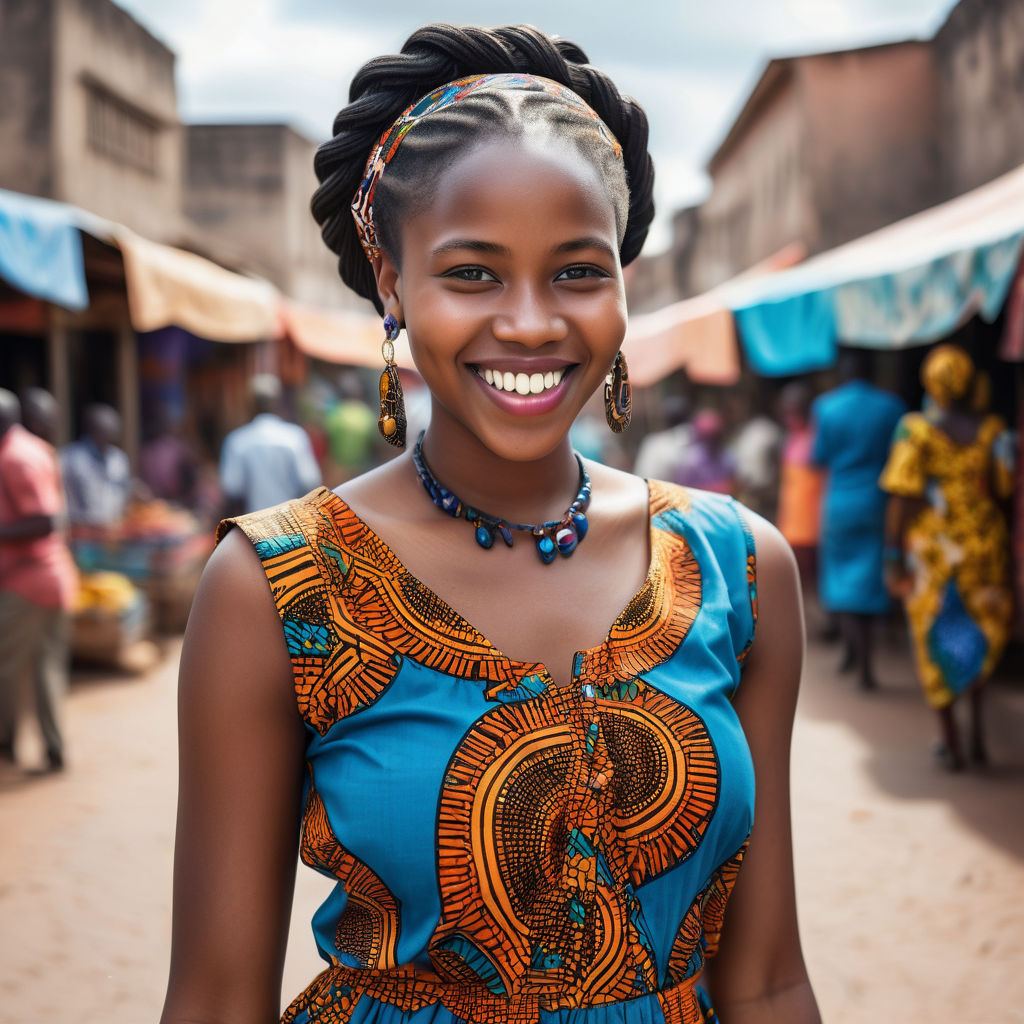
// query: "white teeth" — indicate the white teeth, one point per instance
point(521, 383)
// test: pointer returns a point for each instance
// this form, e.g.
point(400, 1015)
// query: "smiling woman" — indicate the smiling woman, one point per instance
point(531, 777)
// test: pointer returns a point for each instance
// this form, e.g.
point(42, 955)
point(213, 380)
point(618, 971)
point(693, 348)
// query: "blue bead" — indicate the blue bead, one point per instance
point(506, 534)
point(546, 550)
point(449, 502)
point(484, 537)
point(579, 520)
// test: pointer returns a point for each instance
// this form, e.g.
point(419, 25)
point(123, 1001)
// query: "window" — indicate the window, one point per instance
point(119, 130)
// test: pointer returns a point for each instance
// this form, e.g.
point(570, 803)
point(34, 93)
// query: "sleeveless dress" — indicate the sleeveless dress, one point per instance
point(507, 850)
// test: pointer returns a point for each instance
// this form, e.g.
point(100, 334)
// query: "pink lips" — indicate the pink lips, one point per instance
point(527, 405)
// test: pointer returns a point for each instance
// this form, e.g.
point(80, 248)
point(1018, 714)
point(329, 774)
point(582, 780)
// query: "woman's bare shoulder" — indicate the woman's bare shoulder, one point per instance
point(234, 636)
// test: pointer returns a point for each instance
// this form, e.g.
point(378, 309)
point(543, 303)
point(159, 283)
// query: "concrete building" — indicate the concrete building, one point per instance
point(657, 280)
point(979, 58)
point(830, 146)
point(90, 113)
point(826, 148)
point(247, 191)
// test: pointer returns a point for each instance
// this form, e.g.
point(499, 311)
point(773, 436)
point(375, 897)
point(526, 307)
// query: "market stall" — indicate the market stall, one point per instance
point(159, 549)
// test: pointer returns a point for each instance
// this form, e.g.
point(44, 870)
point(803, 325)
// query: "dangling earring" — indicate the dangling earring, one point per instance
point(392, 405)
point(618, 398)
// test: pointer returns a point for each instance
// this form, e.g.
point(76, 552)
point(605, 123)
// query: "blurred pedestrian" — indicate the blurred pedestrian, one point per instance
point(706, 464)
point(661, 452)
point(853, 426)
point(948, 548)
point(755, 446)
point(269, 460)
point(168, 464)
point(800, 482)
point(351, 428)
point(37, 575)
point(97, 474)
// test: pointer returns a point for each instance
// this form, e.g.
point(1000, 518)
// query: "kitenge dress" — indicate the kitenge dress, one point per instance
point(960, 608)
point(508, 850)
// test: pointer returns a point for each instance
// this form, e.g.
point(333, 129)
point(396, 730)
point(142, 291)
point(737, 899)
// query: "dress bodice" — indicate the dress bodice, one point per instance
point(505, 849)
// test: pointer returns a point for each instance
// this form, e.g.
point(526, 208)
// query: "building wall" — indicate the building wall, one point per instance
point(659, 279)
point(26, 67)
point(758, 200)
point(234, 190)
point(248, 188)
point(872, 147)
point(116, 139)
point(312, 267)
point(980, 59)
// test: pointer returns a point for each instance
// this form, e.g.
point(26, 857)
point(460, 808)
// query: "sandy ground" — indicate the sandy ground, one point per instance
point(910, 881)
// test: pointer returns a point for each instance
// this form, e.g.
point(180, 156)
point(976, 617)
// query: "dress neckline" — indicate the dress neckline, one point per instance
point(603, 652)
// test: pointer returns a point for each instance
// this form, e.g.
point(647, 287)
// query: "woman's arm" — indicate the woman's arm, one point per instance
point(758, 976)
point(241, 748)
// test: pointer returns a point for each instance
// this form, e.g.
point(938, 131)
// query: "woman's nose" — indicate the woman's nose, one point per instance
point(528, 317)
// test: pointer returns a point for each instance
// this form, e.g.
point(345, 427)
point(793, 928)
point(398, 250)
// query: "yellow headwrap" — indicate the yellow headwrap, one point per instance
point(947, 375)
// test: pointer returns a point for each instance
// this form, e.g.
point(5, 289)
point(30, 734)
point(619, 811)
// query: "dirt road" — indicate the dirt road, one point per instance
point(910, 881)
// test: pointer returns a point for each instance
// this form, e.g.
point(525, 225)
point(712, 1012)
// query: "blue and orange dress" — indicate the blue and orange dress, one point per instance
point(507, 850)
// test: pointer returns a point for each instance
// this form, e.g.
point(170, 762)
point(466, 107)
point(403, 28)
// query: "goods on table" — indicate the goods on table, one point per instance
point(161, 549)
point(110, 619)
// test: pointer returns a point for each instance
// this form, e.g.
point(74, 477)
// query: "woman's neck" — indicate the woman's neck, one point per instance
point(527, 492)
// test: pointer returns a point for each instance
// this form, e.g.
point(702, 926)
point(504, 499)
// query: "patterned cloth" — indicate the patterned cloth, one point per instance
point(444, 96)
point(958, 550)
point(508, 850)
point(947, 374)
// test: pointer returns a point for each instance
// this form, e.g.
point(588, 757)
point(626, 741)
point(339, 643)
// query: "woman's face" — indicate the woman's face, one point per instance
point(511, 291)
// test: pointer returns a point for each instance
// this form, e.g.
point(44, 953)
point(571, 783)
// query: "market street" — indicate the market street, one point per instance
point(909, 879)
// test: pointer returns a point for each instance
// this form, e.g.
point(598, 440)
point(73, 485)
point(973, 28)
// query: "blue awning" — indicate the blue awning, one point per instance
point(910, 283)
point(41, 249)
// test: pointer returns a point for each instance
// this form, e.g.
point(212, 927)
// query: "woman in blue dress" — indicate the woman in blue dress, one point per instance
point(853, 426)
point(492, 689)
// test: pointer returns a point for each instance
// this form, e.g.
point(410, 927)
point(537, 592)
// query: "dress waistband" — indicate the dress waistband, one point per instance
point(333, 995)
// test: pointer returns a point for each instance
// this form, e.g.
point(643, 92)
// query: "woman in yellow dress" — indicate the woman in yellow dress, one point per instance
point(947, 554)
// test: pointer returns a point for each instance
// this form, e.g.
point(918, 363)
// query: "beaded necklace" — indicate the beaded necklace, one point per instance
point(558, 535)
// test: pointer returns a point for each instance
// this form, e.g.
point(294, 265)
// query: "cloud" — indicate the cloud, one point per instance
point(690, 63)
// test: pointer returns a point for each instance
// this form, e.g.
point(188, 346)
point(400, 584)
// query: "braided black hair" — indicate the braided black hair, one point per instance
point(437, 54)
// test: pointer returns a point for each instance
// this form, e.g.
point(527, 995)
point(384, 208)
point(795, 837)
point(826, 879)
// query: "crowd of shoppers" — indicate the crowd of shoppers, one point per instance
point(879, 505)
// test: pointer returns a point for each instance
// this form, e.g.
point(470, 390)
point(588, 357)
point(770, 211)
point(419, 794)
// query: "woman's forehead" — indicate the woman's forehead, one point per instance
point(508, 186)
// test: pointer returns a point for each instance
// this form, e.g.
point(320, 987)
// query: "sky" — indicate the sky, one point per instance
point(690, 63)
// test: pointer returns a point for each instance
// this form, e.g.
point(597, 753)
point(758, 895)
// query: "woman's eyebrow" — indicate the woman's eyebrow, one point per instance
point(589, 242)
point(473, 244)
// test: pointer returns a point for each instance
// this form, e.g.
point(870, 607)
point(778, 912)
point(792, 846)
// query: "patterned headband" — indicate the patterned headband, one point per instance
point(445, 96)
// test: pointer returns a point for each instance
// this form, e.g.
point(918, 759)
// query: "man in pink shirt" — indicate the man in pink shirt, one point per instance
point(37, 575)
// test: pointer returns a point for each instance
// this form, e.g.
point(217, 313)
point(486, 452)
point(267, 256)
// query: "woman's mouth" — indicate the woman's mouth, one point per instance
point(523, 384)
point(521, 393)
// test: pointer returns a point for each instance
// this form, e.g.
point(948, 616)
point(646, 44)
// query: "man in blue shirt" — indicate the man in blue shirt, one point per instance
point(97, 474)
point(268, 460)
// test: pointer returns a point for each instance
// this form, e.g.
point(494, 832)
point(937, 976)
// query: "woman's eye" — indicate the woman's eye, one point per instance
point(580, 272)
point(476, 275)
